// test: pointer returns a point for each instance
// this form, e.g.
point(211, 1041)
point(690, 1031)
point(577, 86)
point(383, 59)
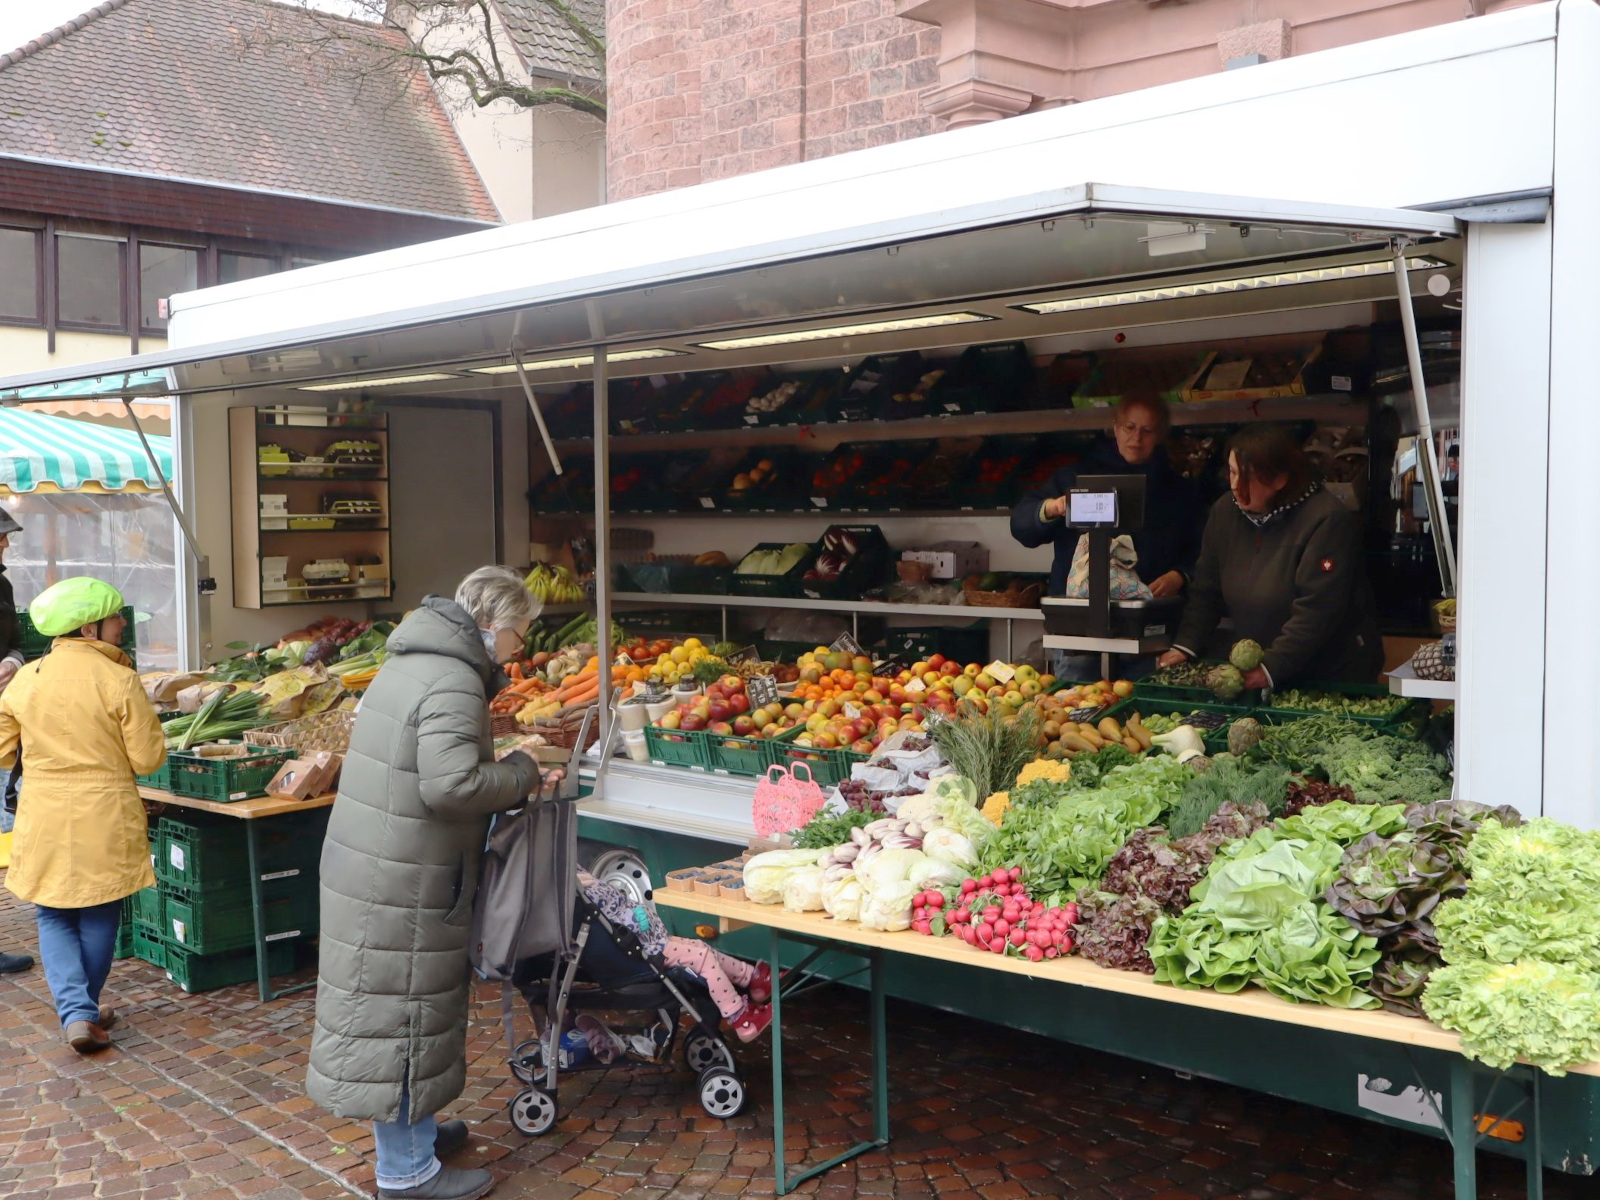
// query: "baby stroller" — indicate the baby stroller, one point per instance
point(609, 972)
point(604, 968)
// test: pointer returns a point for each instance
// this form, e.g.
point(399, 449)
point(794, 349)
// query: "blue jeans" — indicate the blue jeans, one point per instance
point(77, 945)
point(405, 1152)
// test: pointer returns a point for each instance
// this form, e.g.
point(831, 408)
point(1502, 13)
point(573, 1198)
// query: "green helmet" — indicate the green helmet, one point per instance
point(72, 604)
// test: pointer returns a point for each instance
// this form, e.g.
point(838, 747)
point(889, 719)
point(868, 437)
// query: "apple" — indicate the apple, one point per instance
point(825, 741)
point(963, 685)
point(950, 669)
point(715, 692)
point(739, 702)
point(743, 726)
point(693, 722)
point(794, 712)
point(897, 694)
point(670, 720)
point(1029, 688)
point(731, 684)
point(862, 746)
point(936, 661)
point(984, 680)
point(931, 678)
point(1122, 688)
point(720, 728)
point(718, 710)
point(972, 670)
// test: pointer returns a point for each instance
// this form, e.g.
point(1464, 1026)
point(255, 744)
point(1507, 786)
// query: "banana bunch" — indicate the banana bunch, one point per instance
point(553, 585)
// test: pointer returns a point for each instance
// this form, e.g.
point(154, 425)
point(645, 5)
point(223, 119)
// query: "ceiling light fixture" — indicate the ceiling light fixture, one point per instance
point(581, 360)
point(350, 385)
point(842, 331)
point(1214, 287)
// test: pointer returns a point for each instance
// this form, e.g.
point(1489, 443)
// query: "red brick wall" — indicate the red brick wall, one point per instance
point(707, 89)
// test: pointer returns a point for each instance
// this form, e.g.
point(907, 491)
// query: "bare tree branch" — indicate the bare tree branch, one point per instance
point(455, 42)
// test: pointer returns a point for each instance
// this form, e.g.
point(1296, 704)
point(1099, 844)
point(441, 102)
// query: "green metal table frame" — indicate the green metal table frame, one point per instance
point(1459, 1120)
point(794, 985)
point(258, 918)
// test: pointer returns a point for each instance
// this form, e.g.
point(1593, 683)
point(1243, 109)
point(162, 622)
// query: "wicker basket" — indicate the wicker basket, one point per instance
point(308, 735)
point(505, 725)
point(1027, 597)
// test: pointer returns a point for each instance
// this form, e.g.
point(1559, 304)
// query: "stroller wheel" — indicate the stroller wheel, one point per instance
point(533, 1112)
point(527, 1060)
point(722, 1093)
point(702, 1049)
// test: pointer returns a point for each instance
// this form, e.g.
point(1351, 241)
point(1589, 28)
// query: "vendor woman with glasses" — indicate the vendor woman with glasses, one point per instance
point(1169, 543)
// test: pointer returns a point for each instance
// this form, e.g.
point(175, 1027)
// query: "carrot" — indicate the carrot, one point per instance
point(516, 673)
point(581, 695)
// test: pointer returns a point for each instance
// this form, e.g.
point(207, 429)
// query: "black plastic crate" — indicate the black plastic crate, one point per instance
point(874, 382)
point(985, 379)
point(809, 399)
point(787, 585)
point(677, 577)
point(866, 568)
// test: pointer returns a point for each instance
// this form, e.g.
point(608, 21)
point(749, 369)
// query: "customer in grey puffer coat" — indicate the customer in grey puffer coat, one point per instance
point(399, 871)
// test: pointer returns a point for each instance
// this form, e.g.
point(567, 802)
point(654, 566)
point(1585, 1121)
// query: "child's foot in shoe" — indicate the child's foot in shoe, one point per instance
point(752, 1022)
point(760, 989)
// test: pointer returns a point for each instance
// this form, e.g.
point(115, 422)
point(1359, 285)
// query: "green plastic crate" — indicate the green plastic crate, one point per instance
point(828, 767)
point(737, 755)
point(1406, 722)
point(209, 854)
point(214, 922)
point(676, 747)
point(148, 947)
point(226, 779)
point(144, 908)
point(160, 778)
point(206, 972)
point(124, 943)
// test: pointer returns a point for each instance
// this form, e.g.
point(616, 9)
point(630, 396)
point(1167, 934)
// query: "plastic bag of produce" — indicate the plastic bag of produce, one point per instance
point(888, 907)
point(841, 898)
point(765, 874)
point(936, 873)
point(949, 845)
point(802, 890)
point(1125, 583)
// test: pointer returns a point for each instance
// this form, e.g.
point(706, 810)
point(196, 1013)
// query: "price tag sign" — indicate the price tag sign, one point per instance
point(655, 691)
point(820, 501)
point(763, 690)
point(851, 711)
point(624, 659)
point(845, 644)
point(1093, 508)
point(1001, 671)
point(916, 687)
point(748, 654)
point(707, 502)
point(752, 418)
point(888, 668)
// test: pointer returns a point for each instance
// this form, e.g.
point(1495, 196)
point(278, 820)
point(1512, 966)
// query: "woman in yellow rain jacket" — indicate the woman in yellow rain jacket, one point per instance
point(84, 728)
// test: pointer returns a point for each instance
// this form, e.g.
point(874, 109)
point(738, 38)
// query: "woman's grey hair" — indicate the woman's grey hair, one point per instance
point(495, 598)
point(1155, 405)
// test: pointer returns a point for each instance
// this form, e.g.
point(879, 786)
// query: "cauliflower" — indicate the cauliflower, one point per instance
point(995, 807)
point(1041, 768)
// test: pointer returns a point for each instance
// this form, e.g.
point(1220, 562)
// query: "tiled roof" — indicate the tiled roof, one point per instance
point(241, 93)
point(547, 42)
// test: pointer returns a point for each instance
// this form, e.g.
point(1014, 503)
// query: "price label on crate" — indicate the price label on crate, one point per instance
point(747, 654)
point(845, 644)
point(763, 690)
point(654, 691)
point(707, 502)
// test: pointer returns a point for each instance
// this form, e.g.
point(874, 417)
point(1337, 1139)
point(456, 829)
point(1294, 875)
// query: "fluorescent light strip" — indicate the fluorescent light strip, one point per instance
point(840, 331)
point(350, 385)
point(581, 360)
point(1184, 291)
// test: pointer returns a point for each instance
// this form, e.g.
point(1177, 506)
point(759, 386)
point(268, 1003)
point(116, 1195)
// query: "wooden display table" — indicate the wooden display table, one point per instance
point(821, 932)
point(250, 812)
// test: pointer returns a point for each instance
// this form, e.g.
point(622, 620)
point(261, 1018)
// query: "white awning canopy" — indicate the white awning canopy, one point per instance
point(804, 268)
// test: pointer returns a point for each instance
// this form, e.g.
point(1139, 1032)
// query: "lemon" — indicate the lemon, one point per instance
point(680, 654)
point(693, 644)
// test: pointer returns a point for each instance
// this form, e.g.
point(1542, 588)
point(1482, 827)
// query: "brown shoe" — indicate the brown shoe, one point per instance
point(108, 1017)
point(86, 1037)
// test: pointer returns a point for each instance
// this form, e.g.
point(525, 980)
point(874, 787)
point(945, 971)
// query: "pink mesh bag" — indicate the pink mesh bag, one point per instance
point(785, 802)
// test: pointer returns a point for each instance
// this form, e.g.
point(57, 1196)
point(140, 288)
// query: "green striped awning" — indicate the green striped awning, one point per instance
point(112, 387)
point(38, 451)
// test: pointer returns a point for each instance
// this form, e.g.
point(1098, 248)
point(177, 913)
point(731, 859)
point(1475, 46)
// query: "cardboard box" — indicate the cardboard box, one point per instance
point(951, 560)
point(303, 778)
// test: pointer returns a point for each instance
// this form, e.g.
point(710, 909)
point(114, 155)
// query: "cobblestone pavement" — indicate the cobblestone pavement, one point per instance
point(202, 1098)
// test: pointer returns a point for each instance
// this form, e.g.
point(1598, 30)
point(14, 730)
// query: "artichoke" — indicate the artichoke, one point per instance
point(1246, 654)
point(1243, 734)
point(1225, 682)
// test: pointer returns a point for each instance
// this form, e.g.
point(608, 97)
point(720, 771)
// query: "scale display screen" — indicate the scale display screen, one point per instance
point(1093, 508)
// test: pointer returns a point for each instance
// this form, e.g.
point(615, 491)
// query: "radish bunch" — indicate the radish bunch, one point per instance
point(995, 913)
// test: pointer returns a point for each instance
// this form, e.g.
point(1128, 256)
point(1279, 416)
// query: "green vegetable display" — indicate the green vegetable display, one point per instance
point(1523, 947)
point(1547, 1013)
point(1379, 769)
point(1338, 704)
point(1062, 837)
point(1228, 781)
point(831, 829)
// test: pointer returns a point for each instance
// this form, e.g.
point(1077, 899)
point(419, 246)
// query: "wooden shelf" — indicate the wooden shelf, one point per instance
point(354, 535)
point(863, 607)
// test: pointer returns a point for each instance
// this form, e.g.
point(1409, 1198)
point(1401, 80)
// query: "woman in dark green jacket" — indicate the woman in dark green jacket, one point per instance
point(1283, 558)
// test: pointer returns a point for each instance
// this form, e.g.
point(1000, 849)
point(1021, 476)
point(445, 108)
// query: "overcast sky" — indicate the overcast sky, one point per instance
point(23, 20)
